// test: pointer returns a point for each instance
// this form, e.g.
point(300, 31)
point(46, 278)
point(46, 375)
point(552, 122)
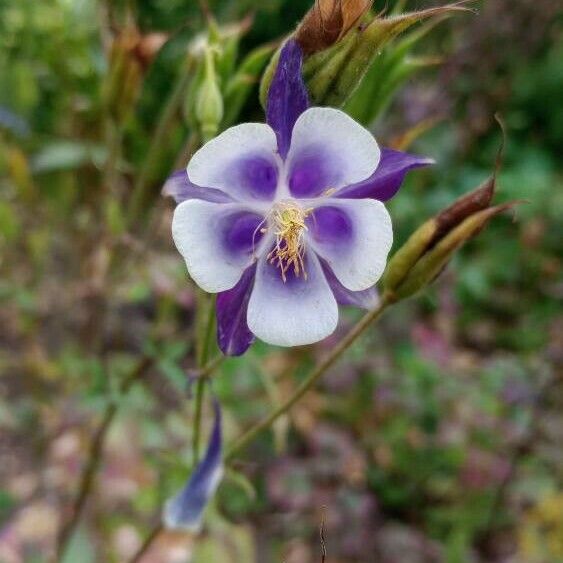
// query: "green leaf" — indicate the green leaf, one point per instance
point(67, 155)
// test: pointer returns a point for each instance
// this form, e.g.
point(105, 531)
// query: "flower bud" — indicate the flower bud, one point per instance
point(429, 249)
point(337, 54)
point(327, 22)
point(367, 46)
point(209, 101)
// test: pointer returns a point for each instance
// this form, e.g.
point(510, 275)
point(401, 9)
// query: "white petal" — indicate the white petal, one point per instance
point(354, 236)
point(222, 162)
point(349, 151)
point(293, 313)
point(201, 232)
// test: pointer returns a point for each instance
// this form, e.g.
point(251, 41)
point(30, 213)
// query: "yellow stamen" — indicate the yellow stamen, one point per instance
point(288, 222)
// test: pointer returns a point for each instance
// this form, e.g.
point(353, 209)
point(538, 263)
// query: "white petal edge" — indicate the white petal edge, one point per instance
point(209, 166)
point(291, 316)
point(344, 139)
point(359, 264)
point(198, 241)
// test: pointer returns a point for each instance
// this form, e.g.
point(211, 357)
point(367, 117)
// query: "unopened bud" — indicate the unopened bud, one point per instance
point(209, 107)
point(369, 42)
point(429, 249)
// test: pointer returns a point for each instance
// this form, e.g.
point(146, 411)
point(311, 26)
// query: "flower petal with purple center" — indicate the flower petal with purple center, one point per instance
point(285, 220)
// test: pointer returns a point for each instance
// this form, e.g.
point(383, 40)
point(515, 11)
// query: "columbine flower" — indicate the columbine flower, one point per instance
point(285, 220)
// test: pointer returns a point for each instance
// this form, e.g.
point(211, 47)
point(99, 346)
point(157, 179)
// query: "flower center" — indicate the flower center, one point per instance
point(287, 219)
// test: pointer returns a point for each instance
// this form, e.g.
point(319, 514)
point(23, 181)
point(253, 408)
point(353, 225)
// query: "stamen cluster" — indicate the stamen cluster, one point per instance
point(287, 219)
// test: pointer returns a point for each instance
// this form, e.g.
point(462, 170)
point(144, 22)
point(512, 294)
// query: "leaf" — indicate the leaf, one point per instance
point(243, 81)
point(67, 155)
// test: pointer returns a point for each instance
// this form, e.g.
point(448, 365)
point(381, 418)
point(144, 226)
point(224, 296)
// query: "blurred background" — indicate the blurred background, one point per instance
point(437, 438)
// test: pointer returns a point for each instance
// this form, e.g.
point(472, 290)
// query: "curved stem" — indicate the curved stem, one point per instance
point(90, 471)
point(311, 379)
point(146, 545)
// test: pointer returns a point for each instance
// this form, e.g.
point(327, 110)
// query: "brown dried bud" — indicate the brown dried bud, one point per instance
point(327, 22)
point(429, 249)
point(148, 47)
point(474, 201)
point(130, 55)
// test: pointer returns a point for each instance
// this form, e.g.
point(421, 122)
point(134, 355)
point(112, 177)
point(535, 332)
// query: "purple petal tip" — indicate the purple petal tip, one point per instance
point(287, 97)
point(185, 510)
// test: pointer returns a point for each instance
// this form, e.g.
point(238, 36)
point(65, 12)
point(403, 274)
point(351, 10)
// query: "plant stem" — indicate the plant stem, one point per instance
point(149, 540)
point(94, 460)
point(204, 336)
point(311, 379)
point(196, 436)
point(210, 367)
point(317, 372)
point(141, 191)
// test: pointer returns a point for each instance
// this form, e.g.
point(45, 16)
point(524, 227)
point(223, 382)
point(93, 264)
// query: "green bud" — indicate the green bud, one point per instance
point(429, 249)
point(433, 262)
point(408, 255)
point(209, 107)
point(369, 42)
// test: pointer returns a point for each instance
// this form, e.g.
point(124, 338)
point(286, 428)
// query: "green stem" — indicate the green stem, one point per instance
point(204, 337)
point(141, 191)
point(311, 379)
point(196, 436)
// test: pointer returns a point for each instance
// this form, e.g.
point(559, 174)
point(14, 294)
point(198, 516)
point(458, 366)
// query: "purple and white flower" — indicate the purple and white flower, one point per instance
point(285, 220)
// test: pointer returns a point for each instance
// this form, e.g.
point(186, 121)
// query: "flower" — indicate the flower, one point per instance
point(284, 220)
point(185, 510)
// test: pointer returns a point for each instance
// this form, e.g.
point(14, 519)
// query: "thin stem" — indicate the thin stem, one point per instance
point(249, 435)
point(94, 460)
point(196, 436)
point(141, 191)
point(205, 334)
point(311, 379)
point(146, 545)
point(211, 366)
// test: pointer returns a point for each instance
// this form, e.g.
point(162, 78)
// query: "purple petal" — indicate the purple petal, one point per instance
point(366, 299)
point(233, 335)
point(180, 188)
point(291, 310)
point(313, 172)
point(287, 97)
point(185, 510)
point(253, 177)
point(353, 237)
point(240, 232)
point(385, 182)
point(331, 226)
